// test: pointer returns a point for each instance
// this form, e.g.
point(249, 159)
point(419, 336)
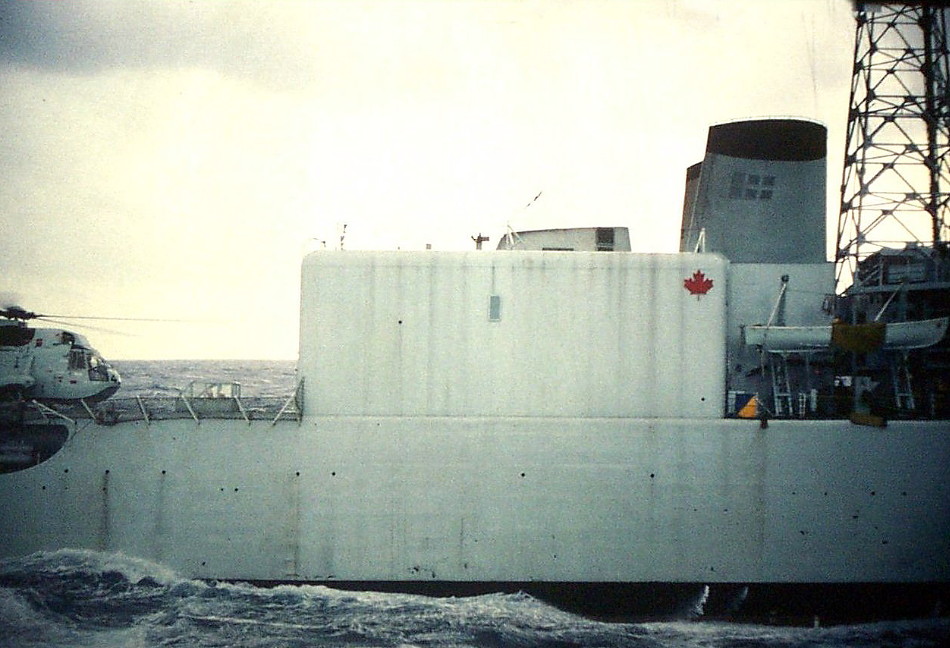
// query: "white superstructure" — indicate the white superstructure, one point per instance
point(512, 333)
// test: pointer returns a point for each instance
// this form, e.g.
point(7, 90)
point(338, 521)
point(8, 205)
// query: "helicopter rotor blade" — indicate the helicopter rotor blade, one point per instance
point(114, 319)
point(86, 326)
point(11, 311)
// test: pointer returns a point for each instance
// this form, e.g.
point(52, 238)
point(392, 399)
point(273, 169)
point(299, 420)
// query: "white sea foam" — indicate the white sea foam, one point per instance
point(83, 598)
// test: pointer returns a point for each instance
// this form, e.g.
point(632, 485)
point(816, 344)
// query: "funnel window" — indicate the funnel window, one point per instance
point(751, 186)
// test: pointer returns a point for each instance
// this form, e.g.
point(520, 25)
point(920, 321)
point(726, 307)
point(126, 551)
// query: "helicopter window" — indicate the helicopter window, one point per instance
point(15, 335)
point(77, 359)
point(98, 368)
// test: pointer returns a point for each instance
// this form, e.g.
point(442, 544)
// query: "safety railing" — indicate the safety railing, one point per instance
point(224, 404)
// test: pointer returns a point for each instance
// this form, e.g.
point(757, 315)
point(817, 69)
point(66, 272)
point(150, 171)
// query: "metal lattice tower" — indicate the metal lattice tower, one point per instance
point(896, 179)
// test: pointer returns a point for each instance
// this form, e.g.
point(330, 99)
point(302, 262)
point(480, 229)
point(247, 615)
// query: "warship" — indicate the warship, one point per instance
point(559, 415)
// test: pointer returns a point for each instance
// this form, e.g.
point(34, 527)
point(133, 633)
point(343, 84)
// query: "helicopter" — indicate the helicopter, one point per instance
point(50, 364)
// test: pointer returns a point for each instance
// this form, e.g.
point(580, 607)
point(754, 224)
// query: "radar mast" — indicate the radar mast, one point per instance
point(896, 178)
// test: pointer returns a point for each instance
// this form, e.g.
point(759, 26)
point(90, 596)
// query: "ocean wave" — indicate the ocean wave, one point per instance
point(150, 378)
point(87, 598)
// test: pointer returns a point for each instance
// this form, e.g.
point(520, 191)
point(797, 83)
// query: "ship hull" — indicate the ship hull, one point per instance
point(490, 500)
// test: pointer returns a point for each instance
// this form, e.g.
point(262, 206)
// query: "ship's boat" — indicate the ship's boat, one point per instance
point(559, 416)
point(893, 336)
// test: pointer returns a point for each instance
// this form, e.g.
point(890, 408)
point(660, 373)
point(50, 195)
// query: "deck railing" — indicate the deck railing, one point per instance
point(222, 404)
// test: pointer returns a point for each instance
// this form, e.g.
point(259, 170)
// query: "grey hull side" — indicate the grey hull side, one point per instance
point(479, 499)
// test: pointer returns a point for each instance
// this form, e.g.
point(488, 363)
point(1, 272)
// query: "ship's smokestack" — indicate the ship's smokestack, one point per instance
point(759, 194)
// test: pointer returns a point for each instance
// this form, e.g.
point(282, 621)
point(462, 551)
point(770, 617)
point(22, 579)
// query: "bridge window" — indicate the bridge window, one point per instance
point(605, 239)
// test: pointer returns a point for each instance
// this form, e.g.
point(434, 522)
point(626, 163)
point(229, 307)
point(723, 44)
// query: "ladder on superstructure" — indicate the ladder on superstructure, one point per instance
point(900, 379)
point(781, 390)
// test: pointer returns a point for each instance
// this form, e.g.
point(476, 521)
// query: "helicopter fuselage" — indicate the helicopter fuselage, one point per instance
point(51, 364)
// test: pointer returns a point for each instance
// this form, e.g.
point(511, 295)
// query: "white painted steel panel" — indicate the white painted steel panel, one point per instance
point(499, 499)
point(576, 239)
point(579, 334)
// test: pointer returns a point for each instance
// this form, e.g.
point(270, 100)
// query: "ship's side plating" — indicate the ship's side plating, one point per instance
point(498, 499)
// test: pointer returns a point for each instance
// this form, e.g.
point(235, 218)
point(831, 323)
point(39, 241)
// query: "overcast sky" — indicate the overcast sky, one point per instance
point(176, 159)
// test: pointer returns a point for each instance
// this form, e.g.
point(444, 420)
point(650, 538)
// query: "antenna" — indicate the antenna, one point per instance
point(894, 188)
point(479, 240)
point(511, 237)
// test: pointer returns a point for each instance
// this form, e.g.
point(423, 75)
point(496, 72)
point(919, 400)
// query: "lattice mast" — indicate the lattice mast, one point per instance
point(896, 178)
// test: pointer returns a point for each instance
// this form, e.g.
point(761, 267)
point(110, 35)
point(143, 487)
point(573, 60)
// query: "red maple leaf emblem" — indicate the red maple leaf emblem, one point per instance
point(698, 284)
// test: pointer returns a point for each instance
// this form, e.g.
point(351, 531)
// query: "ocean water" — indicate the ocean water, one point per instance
point(167, 377)
point(86, 598)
